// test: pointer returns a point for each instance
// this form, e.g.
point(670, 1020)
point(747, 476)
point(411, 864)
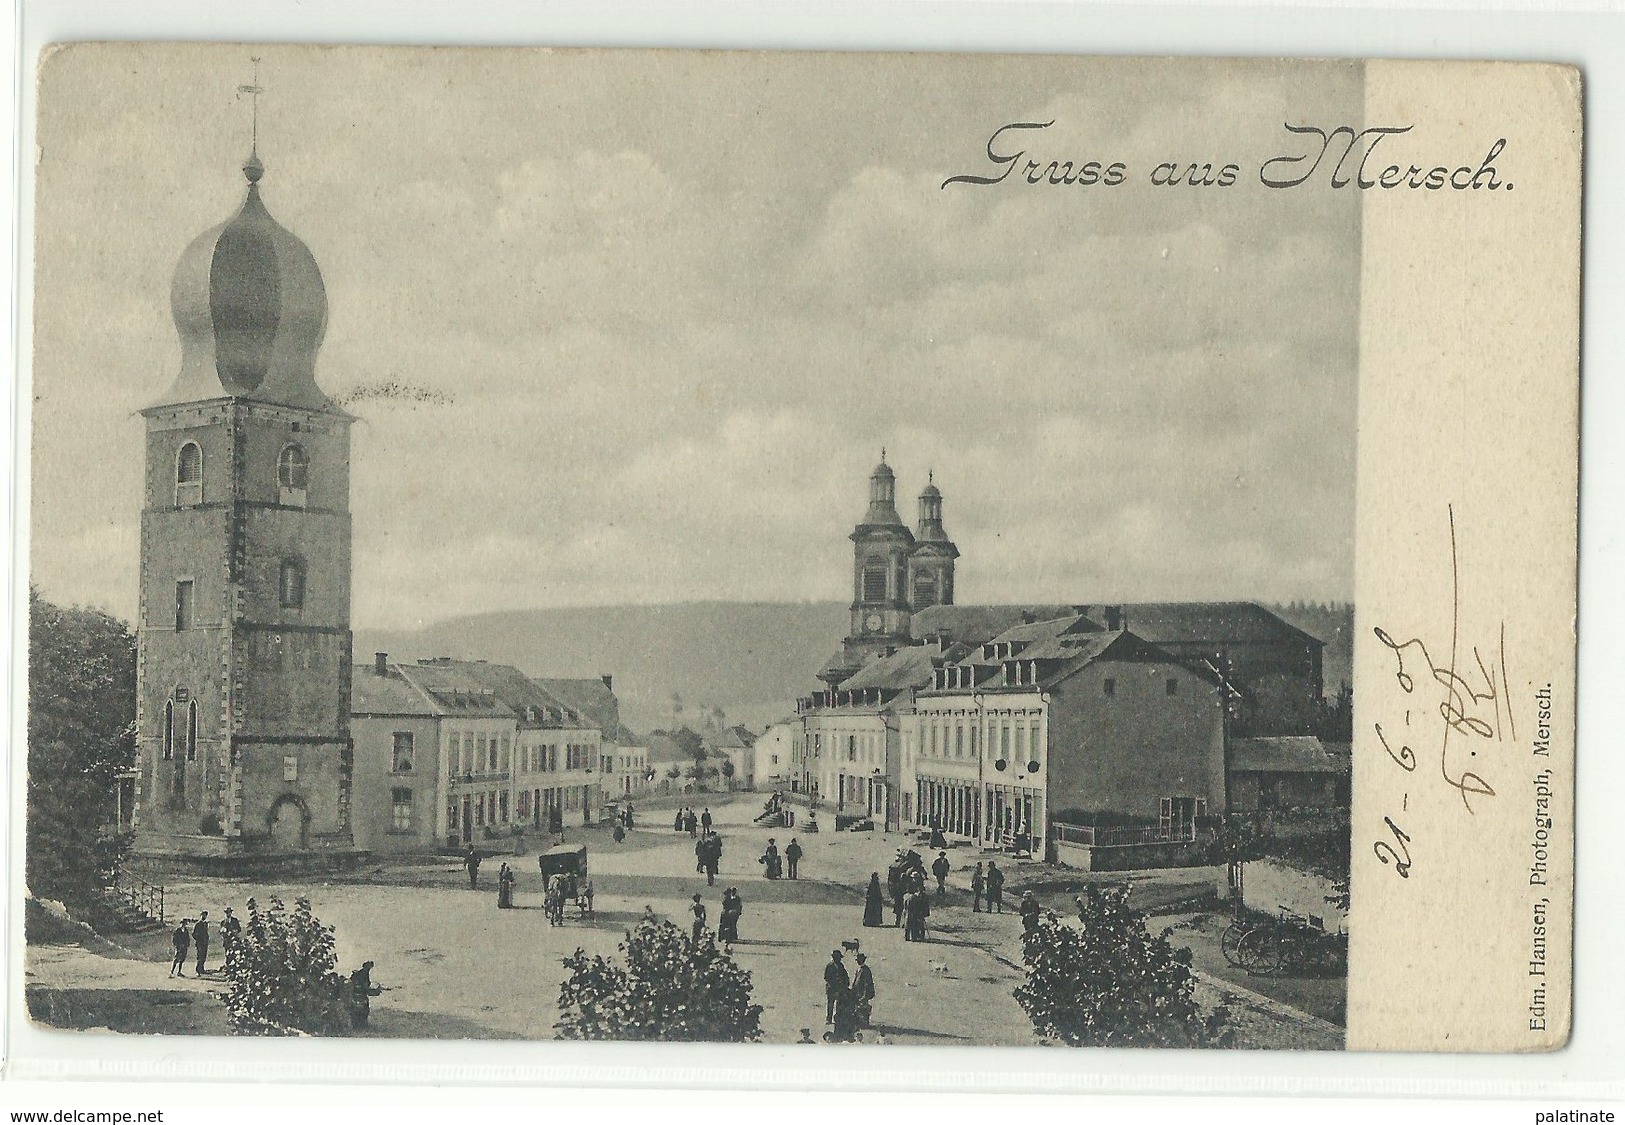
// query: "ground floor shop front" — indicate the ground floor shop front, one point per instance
point(992, 815)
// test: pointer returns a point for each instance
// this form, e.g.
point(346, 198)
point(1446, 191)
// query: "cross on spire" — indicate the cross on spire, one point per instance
point(254, 169)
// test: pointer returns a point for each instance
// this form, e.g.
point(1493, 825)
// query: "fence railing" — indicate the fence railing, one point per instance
point(1106, 837)
point(146, 897)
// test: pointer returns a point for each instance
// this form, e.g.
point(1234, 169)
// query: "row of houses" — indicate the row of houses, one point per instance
point(995, 723)
point(992, 734)
point(452, 753)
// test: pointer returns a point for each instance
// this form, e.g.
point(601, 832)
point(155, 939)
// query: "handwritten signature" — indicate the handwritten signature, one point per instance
point(1472, 696)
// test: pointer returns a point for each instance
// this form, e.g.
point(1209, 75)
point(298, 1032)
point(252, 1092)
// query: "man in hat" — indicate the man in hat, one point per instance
point(200, 938)
point(182, 937)
point(940, 868)
point(231, 930)
point(837, 984)
point(792, 857)
point(863, 990)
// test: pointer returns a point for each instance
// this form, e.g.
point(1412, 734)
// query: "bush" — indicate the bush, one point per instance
point(282, 975)
point(671, 988)
point(1110, 983)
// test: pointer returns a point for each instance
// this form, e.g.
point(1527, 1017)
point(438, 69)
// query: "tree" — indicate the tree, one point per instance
point(672, 987)
point(81, 736)
point(1109, 983)
point(727, 771)
point(282, 974)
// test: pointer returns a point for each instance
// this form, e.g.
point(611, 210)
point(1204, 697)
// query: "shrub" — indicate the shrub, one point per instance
point(282, 975)
point(1109, 983)
point(670, 988)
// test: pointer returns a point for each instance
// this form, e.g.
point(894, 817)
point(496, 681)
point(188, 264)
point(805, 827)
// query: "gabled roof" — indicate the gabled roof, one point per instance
point(1068, 653)
point(1031, 633)
point(1209, 623)
point(453, 692)
point(1289, 754)
point(910, 667)
point(977, 624)
point(389, 694)
point(513, 688)
point(590, 696)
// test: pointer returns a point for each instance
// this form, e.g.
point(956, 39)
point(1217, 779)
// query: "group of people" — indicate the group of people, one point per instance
point(622, 823)
point(708, 856)
point(911, 905)
point(777, 866)
point(190, 934)
point(849, 997)
point(687, 821)
point(727, 921)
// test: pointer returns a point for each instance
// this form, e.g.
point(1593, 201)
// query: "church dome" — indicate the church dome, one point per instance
point(251, 310)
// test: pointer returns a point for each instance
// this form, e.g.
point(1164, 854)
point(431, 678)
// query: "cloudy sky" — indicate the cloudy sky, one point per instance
point(666, 309)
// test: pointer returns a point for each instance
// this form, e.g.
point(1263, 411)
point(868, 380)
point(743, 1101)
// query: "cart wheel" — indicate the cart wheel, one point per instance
point(1230, 940)
point(1262, 951)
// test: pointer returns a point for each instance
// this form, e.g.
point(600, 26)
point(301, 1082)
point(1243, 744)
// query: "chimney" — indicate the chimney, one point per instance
point(1114, 618)
point(380, 663)
point(609, 681)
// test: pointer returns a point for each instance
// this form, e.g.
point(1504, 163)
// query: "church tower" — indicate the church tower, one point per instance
point(931, 566)
point(881, 546)
point(243, 697)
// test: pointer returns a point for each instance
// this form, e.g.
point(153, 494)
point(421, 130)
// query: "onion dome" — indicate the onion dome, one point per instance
point(251, 310)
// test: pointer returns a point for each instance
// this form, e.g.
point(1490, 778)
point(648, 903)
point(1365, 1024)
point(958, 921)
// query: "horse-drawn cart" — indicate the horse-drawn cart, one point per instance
point(564, 873)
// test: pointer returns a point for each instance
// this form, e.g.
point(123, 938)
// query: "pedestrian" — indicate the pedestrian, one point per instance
point(792, 857)
point(231, 932)
point(200, 938)
point(846, 1018)
point(691, 823)
point(505, 883)
point(978, 884)
point(362, 990)
point(586, 897)
point(995, 888)
point(911, 906)
point(899, 894)
point(940, 868)
point(863, 989)
point(705, 819)
point(728, 921)
point(626, 817)
point(677, 825)
point(937, 839)
point(182, 938)
point(1029, 913)
point(873, 904)
point(770, 860)
point(836, 983)
point(472, 862)
point(619, 833)
point(698, 910)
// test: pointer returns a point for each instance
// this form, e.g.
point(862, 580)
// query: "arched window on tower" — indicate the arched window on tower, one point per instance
point(189, 475)
point(925, 589)
point(169, 731)
point(291, 587)
point(292, 476)
point(874, 579)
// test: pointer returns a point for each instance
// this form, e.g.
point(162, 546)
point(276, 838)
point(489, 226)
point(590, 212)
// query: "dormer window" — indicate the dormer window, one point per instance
point(292, 476)
point(189, 475)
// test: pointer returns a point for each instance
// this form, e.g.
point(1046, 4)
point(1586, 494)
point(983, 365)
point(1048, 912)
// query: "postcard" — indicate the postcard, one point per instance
point(802, 548)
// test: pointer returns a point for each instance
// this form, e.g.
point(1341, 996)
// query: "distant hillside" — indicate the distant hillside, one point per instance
point(1332, 622)
point(751, 659)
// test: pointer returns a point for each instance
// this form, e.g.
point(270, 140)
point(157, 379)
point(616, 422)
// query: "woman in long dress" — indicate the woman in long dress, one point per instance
point(874, 905)
point(732, 907)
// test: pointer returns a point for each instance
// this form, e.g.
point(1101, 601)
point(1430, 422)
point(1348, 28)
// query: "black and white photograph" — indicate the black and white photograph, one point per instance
point(720, 547)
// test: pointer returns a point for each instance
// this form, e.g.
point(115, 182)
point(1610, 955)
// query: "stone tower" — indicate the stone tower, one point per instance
point(881, 547)
point(243, 697)
point(931, 566)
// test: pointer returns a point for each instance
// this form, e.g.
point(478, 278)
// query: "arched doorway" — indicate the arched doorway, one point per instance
point(289, 824)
